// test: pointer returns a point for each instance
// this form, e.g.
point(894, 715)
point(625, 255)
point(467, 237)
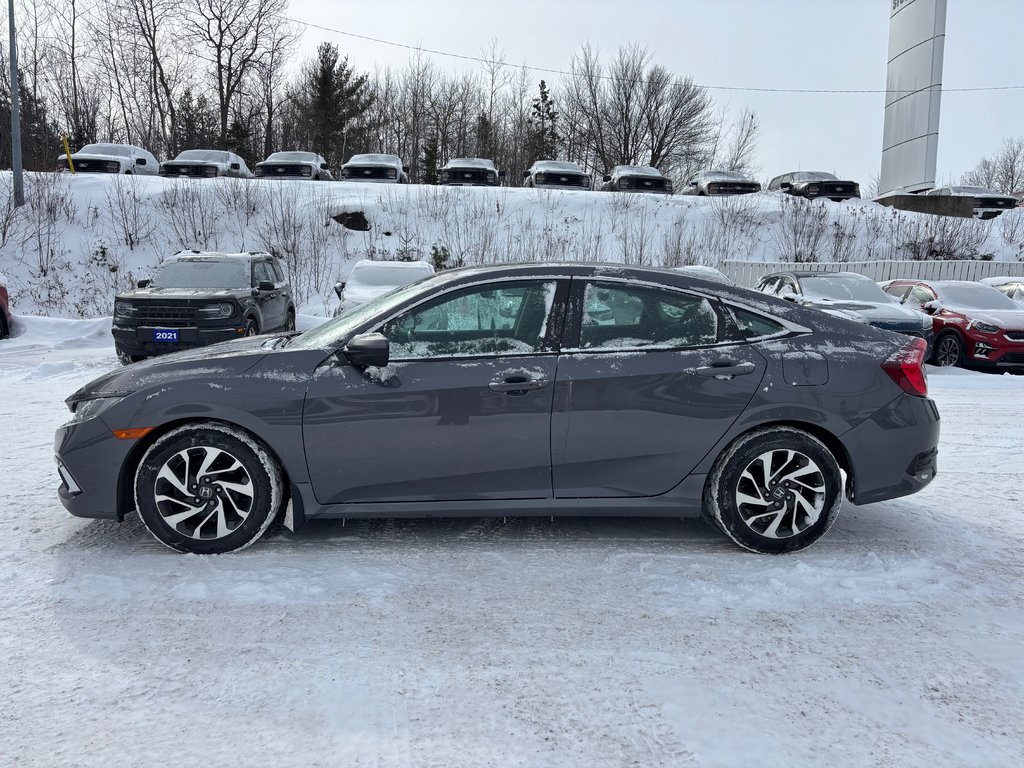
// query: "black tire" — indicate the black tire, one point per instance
point(127, 359)
point(251, 328)
point(225, 519)
point(783, 518)
point(948, 350)
point(4, 330)
point(289, 323)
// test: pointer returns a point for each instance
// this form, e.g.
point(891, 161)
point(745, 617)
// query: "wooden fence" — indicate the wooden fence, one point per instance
point(749, 272)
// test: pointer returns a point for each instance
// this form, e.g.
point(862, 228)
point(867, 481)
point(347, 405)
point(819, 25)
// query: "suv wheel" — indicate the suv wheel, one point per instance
point(289, 323)
point(207, 488)
point(251, 329)
point(127, 359)
point(775, 490)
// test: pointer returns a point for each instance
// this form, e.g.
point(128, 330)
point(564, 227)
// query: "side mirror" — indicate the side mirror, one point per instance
point(405, 169)
point(235, 166)
point(368, 349)
point(606, 178)
point(932, 307)
point(785, 185)
point(266, 285)
point(338, 288)
point(526, 174)
point(140, 161)
point(795, 298)
point(323, 166)
point(501, 174)
point(143, 283)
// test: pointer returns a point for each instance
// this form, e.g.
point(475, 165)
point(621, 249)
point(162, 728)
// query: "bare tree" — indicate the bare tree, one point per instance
point(1003, 172)
point(234, 37)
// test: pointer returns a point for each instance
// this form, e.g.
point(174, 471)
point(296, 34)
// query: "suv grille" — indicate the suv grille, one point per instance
point(166, 315)
point(370, 172)
point(199, 171)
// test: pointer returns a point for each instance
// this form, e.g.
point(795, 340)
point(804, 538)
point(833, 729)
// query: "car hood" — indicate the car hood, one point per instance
point(1010, 319)
point(193, 163)
point(91, 156)
point(180, 293)
point(360, 294)
point(226, 358)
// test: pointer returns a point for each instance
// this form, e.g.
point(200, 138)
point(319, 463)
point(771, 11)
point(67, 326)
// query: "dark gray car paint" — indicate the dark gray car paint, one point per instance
point(328, 423)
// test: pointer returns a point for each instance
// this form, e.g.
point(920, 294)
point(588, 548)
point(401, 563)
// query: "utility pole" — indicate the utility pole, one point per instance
point(19, 183)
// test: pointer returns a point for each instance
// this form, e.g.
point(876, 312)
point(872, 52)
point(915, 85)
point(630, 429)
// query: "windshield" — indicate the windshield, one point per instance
point(387, 274)
point(973, 296)
point(329, 333)
point(208, 274)
point(723, 176)
point(106, 149)
point(292, 157)
point(636, 170)
point(839, 288)
point(813, 176)
point(374, 159)
point(203, 154)
point(554, 165)
point(972, 191)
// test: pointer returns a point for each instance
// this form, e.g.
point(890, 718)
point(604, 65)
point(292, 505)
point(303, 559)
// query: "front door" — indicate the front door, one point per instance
point(647, 384)
point(272, 303)
point(462, 412)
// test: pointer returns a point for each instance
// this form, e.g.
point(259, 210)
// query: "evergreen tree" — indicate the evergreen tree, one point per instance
point(429, 161)
point(197, 123)
point(484, 137)
point(239, 141)
point(40, 142)
point(543, 140)
point(329, 99)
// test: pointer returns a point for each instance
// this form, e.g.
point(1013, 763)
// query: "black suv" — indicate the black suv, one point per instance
point(197, 299)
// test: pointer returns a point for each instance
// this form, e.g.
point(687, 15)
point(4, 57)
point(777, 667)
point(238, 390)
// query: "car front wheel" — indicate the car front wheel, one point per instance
point(949, 351)
point(775, 490)
point(208, 488)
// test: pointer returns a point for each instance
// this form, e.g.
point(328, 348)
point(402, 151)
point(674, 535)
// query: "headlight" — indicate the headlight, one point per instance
point(306, 171)
point(984, 327)
point(813, 189)
point(124, 309)
point(586, 181)
point(540, 178)
point(86, 409)
point(392, 173)
point(258, 171)
point(217, 310)
point(113, 166)
point(491, 176)
point(211, 170)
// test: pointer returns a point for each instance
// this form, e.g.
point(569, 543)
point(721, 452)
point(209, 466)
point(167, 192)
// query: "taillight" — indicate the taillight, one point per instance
point(906, 368)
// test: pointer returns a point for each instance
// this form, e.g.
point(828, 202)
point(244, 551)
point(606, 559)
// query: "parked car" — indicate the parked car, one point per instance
point(814, 184)
point(206, 163)
point(975, 325)
point(200, 298)
point(721, 183)
point(370, 279)
point(294, 165)
point(379, 169)
point(705, 273)
point(6, 318)
point(485, 391)
point(1011, 286)
point(110, 158)
point(987, 204)
point(555, 174)
point(636, 178)
point(469, 172)
point(851, 294)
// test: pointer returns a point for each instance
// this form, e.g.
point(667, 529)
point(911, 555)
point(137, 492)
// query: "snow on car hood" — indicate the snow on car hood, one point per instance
point(355, 295)
point(94, 156)
point(178, 293)
point(1009, 319)
point(888, 312)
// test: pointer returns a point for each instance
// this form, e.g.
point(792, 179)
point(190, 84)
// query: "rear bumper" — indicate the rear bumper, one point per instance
point(895, 452)
point(137, 340)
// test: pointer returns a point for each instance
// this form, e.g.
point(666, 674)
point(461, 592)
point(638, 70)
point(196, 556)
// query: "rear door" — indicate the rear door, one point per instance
point(647, 384)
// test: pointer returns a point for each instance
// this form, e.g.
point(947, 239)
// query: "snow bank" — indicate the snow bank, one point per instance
point(81, 238)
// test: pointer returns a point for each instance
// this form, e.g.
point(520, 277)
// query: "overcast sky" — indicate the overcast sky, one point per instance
point(838, 44)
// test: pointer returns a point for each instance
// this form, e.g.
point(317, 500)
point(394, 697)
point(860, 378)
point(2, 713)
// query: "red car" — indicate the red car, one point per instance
point(5, 311)
point(975, 325)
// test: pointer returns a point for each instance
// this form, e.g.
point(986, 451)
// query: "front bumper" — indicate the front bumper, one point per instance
point(895, 452)
point(138, 340)
point(89, 465)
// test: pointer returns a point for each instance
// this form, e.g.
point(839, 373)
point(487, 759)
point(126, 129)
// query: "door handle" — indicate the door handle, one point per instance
point(517, 385)
point(725, 369)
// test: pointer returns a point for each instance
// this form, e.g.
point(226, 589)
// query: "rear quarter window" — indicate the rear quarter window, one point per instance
point(755, 326)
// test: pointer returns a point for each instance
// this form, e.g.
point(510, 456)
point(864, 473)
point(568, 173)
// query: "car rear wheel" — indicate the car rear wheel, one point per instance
point(775, 490)
point(949, 351)
point(208, 488)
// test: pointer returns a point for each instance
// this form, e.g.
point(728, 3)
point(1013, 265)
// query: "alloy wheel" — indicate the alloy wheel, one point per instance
point(203, 492)
point(948, 351)
point(780, 494)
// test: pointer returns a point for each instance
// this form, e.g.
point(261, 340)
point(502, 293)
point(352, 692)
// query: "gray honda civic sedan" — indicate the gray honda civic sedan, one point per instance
point(541, 389)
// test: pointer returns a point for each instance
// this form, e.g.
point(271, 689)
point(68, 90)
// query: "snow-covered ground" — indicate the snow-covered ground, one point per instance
point(896, 641)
